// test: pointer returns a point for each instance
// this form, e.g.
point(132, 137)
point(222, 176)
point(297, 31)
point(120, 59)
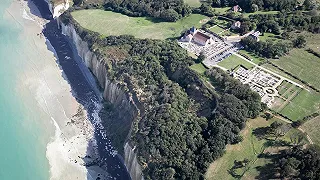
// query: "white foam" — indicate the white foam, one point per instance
point(63, 155)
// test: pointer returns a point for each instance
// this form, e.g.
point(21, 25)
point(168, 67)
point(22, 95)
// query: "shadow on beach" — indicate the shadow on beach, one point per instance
point(86, 92)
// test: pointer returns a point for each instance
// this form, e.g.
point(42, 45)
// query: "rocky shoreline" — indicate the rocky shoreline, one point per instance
point(85, 91)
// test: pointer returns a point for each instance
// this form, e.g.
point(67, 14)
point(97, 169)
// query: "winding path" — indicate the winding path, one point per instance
point(290, 122)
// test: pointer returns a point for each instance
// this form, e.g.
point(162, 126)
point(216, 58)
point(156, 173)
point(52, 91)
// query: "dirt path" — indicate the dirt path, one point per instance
point(308, 137)
point(290, 122)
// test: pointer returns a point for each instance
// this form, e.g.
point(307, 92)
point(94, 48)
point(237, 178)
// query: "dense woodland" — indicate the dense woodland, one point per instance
point(281, 24)
point(167, 10)
point(293, 163)
point(184, 126)
point(267, 5)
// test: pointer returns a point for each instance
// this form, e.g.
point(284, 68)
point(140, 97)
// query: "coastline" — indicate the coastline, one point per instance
point(72, 143)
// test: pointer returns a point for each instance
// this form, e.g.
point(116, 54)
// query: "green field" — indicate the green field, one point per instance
point(255, 59)
point(312, 40)
point(233, 61)
point(260, 12)
point(276, 70)
point(302, 64)
point(193, 3)
point(223, 23)
point(216, 29)
point(249, 148)
point(312, 127)
point(111, 23)
point(228, 33)
point(199, 68)
point(305, 103)
point(222, 10)
point(270, 36)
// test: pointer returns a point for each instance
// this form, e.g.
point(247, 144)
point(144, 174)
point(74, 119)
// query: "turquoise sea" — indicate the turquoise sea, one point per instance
point(23, 138)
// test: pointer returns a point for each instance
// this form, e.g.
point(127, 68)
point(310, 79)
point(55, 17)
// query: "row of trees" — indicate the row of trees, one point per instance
point(167, 10)
point(268, 49)
point(267, 5)
point(296, 163)
point(271, 49)
point(287, 21)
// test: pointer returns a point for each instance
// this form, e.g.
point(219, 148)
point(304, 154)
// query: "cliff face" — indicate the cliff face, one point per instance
point(112, 92)
point(58, 8)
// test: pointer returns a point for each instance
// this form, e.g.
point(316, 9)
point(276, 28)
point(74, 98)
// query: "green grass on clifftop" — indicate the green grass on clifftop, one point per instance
point(111, 23)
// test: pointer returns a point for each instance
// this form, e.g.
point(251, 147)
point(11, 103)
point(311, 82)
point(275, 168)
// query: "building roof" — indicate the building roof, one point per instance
point(256, 34)
point(237, 23)
point(199, 36)
point(236, 8)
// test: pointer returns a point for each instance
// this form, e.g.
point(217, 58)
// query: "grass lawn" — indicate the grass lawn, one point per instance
point(233, 61)
point(216, 29)
point(301, 64)
point(255, 59)
point(312, 40)
point(111, 23)
point(193, 3)
point(222, 22)
point(312, 127)
point(294, 132)
point(260, 12)
point(199, 68)
point(276, 70)
point(270, 36)
point(305, 103)
point(249, 148)
point(228, 33)
point(222, 10)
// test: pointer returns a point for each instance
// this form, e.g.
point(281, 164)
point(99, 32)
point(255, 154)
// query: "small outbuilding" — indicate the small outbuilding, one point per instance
point(236, 25)
point(255, 35)
point(236, 8)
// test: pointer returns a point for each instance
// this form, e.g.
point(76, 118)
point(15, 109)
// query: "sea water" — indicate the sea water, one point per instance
point(23, 138)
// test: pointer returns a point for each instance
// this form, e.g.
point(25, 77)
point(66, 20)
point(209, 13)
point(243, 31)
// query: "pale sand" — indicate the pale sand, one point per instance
point(65, 119)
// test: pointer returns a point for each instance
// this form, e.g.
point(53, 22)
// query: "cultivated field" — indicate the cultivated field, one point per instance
point(312, 127)
point(302, 64)
point(304, 104)
point(111, 23)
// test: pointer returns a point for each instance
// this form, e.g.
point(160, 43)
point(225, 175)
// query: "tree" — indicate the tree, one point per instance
point(268, 116)
point(309, 4)
point(254, 8)
point(289, 167)
point(170, 15)
point(296, 139)
point(285, 35)
point(299, 42)
point(201, 57)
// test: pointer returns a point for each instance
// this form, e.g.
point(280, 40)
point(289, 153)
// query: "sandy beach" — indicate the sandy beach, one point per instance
point(71, 144)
